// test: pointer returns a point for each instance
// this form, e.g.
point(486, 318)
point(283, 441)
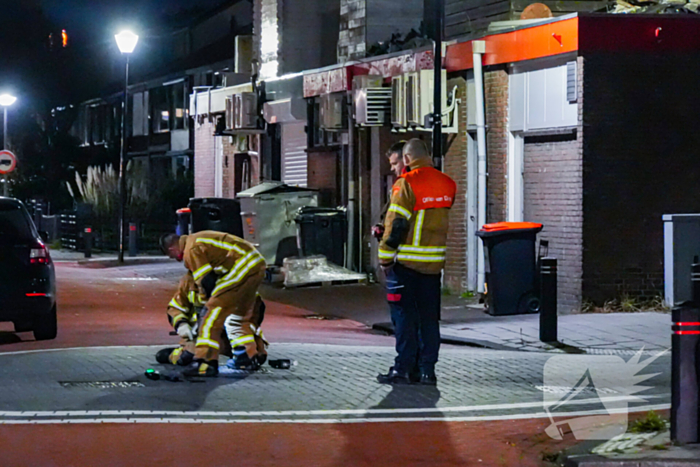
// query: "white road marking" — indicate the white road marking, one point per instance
point(282, 413)
point(484, 418)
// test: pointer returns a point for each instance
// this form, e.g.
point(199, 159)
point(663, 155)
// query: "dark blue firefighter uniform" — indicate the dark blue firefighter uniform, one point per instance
point(414, 301)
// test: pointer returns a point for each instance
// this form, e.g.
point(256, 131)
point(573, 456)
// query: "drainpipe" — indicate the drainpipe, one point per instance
point(479, 48)
point(350, 258)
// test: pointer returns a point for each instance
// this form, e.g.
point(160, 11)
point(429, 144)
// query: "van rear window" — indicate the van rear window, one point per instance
point(14, 223)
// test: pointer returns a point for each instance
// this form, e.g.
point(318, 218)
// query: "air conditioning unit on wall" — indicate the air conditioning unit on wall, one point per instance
point(372, 106)
point(333, 111)
point(230, 118)
point(398, 101)
point(242, 111)
point(412, 108)
point(413, 93)
point(424, 97)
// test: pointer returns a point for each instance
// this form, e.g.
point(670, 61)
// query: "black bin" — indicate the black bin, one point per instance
point(322, 231)
point(511, 267)
point(219, 214)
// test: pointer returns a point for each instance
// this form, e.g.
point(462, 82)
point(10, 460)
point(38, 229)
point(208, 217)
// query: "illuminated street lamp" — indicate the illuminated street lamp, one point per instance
point(126, 41)
point(6, 100)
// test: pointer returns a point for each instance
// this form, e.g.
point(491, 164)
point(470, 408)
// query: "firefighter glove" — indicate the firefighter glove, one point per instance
point(184, 330)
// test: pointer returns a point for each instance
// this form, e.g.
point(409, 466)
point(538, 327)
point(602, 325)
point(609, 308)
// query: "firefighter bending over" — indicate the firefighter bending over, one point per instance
point(228, 272)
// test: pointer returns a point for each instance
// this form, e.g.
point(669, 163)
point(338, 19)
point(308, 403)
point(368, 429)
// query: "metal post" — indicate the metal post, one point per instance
point(685, 397)
point(548, 300)
point(5, 182)
point(87, 237)
point(437, 86)
point(352, 206)
point(133, 234)
point(122, 165)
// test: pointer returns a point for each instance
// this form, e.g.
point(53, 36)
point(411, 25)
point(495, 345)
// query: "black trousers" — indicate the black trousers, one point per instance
point(414, 301)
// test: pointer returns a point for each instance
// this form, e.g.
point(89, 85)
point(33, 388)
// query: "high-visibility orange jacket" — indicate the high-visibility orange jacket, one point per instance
point(229, 257)
point(184, 303)
point(423, 197)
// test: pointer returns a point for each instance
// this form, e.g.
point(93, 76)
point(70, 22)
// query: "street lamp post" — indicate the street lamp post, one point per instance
point(6, 100)
point(126, 41)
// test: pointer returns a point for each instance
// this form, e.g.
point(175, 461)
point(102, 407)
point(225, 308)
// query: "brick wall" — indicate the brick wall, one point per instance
point(455, 166)
point(297, 35)
point(553, 196)
point(641, 159)
point(204, 152)
point(353, 32)
point(266, 24)
point(496, 97)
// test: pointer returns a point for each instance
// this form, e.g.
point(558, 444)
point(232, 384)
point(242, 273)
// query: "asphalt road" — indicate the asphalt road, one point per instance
point(85, 398)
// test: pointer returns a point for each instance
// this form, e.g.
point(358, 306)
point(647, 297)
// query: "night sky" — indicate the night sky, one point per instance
point(48, 77)
point(99, 19)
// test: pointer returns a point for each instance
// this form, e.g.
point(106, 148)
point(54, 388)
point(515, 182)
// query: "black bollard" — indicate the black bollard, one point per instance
point(548, 300)
point(87, 236)
point(685, 416)
point(133, 233)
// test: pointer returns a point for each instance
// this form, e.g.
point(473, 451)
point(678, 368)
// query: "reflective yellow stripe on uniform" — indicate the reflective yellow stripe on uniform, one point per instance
point(242, 267)
point(174, 304)
point(243, 340)
point(222, 245)
point(178, 318)
point(208, 342)
point(421, 258)
point(192, 297)
point(209, 322)
point(400, 210)
point(418, 228)
point(422, 249)
point(386, 254)
point(201, 271)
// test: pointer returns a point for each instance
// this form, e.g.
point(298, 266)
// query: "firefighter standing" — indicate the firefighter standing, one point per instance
point(395, 156)
point(228, 272)
point(412, 254)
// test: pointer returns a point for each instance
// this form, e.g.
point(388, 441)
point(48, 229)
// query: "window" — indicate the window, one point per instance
point(14, 224)
point(168, 110)
point(97, 124)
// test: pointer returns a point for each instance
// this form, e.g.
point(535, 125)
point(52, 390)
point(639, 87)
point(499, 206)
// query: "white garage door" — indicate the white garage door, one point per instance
point(294, 158)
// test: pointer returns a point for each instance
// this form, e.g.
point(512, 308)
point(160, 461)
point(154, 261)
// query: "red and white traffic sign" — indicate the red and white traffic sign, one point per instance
point(8, 162)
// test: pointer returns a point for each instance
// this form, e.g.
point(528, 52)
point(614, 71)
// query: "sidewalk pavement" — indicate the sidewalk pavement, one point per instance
point(102, 260)
point(464, 322)
point(633, 450)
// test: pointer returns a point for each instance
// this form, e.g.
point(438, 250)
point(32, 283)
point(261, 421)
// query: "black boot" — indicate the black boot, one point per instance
point(393, 377)
point(185, 358)
point(428, 378)
point(163, 356)
point(202, 369)
point(241, 360)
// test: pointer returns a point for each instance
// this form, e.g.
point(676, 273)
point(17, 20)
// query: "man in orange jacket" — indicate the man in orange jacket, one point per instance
point(412, 255)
